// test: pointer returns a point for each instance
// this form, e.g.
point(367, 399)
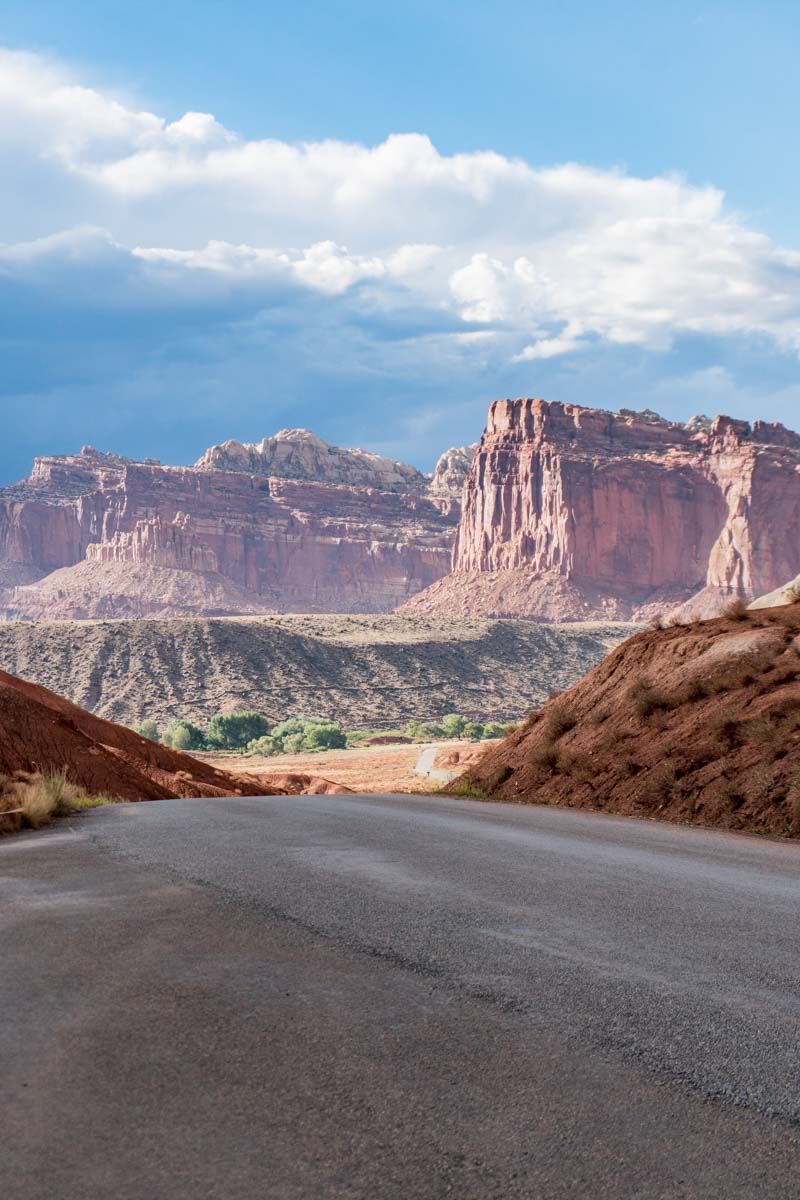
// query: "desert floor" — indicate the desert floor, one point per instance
point(367, 769)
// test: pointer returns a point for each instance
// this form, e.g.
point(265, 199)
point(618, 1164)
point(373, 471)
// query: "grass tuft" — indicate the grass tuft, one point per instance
point(29, 800)
point(737, 610)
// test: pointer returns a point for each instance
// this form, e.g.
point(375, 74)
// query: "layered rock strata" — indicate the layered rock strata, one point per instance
point(100, 535)
point(572, 512)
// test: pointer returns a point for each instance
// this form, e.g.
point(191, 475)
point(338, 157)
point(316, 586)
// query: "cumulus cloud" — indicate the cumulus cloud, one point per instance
point(149, 257)
point(553, 257)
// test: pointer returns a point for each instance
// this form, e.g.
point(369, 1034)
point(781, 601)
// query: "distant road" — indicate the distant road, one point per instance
point(396, 998)
point(427, 758)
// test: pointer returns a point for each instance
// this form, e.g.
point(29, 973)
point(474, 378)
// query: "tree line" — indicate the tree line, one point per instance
point(250, 733)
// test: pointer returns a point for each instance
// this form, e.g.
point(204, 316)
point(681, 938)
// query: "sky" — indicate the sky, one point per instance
point(372, 220)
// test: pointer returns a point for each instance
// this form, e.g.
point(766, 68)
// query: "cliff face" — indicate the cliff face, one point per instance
point(572, 512)
point(101, 535)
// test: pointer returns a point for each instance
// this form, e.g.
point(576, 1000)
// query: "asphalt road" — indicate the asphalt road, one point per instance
point(425, 765)
point(396, 997)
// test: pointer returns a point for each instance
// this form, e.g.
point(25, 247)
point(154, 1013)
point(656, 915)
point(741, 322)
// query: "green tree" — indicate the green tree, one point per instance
point(493, 729)
point(178, 737)
point(182, 735)
point(428, 731)
point(293, 743)
point(324, 735)
point(265, 746)
point(472, 730)
point(148, 729)
point(453, 725)
point(288, 727)
point(233, 731)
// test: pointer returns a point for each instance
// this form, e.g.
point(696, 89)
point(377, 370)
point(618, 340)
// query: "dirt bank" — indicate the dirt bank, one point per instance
point(697, 723)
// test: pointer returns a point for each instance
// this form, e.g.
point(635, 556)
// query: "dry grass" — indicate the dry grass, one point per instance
point(737, 610)
point(793, 808)
point(466, 789)
point(648, 699)
point(559, 721)
point(29, 800)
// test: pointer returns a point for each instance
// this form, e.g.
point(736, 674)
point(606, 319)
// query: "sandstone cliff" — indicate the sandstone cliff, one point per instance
point(100, 535)
point(572, 512)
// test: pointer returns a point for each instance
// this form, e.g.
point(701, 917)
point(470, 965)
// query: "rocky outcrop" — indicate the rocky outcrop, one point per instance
point(97, 534)
point(300, 454)
point(573, 512)
point(452, 470)
point(788, 594)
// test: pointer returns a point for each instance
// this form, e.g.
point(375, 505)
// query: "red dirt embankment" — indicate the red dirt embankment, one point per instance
point(697, 723)
point(42, 732)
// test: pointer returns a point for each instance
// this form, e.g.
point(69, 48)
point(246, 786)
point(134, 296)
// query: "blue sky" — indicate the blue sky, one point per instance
point(395, 214)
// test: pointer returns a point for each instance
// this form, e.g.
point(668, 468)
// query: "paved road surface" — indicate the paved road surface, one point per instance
point(396, 997)
point(424, 765)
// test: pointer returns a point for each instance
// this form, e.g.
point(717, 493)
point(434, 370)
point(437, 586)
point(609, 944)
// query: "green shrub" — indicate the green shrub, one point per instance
point(148, 729)
point(234, 731)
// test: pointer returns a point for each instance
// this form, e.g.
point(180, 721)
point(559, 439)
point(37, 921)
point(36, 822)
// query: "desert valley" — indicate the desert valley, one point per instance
point(399, 601)
point(293, 578)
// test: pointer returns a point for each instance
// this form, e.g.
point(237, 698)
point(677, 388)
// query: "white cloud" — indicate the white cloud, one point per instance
point(555, 259)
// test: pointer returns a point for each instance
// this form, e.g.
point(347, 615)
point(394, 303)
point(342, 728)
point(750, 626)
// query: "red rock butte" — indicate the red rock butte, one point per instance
point(248, 529)
point(575, 513)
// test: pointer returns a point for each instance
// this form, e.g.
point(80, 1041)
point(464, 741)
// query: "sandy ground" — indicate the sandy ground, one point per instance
point(371, 769)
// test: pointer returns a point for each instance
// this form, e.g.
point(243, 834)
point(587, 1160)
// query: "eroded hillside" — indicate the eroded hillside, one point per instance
point(362, 671)
point(696, 723)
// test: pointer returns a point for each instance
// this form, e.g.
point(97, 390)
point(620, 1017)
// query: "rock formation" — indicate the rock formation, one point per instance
point(788, 594)
point(97, 534)
point(452, 471)
point(300, 454)
point(366, 672)
point(573, 512)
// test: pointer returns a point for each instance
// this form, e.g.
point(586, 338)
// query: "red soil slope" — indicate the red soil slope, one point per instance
point(697, 723)
point(41, 732)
